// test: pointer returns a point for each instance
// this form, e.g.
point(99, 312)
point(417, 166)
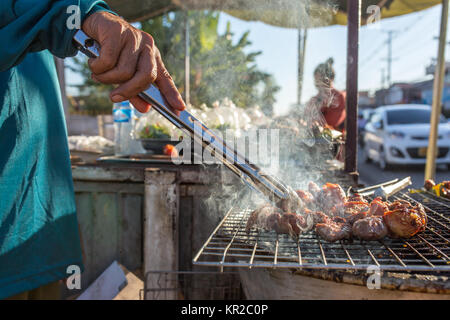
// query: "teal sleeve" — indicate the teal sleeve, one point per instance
point(31, 26)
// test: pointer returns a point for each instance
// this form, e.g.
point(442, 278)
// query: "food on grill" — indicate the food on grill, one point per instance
point(265, 217)
point(314, 189)
point(405, 220)
point(441, 190)
point(330, 196)
point(334, 229)
point(378, 207)
point(305, 196)
point(429, 184)
point(370, 228)
point(336, 217)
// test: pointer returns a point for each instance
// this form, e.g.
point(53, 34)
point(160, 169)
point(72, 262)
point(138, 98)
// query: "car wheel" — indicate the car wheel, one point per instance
point(382, 163)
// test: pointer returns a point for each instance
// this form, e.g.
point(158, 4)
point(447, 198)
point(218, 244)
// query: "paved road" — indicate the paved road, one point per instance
point(370, 173)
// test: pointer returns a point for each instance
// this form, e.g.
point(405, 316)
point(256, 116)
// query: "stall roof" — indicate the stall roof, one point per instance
point(281, 13)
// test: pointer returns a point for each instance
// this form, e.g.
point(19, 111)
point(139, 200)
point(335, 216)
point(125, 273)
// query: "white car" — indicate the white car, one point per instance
point(398, 134)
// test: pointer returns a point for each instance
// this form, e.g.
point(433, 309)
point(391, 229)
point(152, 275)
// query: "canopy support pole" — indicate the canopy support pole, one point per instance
point(436, 106)
point(351, 144)
point(187, 58)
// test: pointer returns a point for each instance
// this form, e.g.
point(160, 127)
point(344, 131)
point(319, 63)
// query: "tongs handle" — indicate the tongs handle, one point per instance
point(251, 174)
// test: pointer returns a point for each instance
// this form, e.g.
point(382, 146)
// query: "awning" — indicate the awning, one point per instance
point(281, 13)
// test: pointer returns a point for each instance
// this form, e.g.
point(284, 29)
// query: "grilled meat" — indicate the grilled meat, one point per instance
point(314, 189)
point(442, 189)
point(334, 230)
point(378, 207)
point(405, 220)
point(336, 217)
point(265, 217)
point(370, 228)
point(331, 195)
point(429, 184)
point(306, 197)
point(356, 198)
point(271, 218)
point(296, 221)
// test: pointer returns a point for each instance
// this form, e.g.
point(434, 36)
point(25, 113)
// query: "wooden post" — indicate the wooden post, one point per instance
point(436, 106)
point(161, 227)
point(354, 21)
point(187, 61)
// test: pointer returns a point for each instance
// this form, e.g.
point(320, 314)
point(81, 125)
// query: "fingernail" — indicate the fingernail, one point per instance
point(117, 98)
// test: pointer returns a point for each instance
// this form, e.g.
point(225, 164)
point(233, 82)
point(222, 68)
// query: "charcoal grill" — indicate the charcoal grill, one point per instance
point(231, 246)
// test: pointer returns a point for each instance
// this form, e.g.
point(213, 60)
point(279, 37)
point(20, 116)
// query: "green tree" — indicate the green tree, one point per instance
point(220, 67)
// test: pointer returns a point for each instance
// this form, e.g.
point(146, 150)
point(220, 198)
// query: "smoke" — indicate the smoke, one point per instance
point(300, 153)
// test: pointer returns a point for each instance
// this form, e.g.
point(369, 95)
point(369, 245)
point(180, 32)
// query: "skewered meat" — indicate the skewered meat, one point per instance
point(442, 189)
point(378, 207)
point(405, 220)
point(334, 230)
point(429, 184)
point(370, 228)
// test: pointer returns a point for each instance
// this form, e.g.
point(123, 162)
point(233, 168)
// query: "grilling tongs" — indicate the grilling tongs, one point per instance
point(268, 185)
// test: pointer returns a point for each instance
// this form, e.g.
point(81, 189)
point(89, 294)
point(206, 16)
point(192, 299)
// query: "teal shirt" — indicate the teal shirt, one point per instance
point(38, 225)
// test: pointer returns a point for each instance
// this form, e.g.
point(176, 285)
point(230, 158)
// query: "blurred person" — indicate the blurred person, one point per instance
point(39, 235)
point(329, 104)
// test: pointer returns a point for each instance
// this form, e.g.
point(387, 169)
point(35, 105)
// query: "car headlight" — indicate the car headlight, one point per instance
point(396, 135)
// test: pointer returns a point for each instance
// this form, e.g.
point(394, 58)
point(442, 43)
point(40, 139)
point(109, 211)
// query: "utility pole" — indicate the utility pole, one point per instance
point(382, 78)
point(302, 36)
point(389, 57)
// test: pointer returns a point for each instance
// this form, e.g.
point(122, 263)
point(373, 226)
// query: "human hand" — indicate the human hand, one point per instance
point(129, 58)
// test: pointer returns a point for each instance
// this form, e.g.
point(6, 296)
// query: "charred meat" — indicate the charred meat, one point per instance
point(370, 228)
point(405, 220)
point(378, 207)
point(336, 217)
point(334, 230)
point(331, 195)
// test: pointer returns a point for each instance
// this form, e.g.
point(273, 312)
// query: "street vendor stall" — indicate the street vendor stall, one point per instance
point(300, 260)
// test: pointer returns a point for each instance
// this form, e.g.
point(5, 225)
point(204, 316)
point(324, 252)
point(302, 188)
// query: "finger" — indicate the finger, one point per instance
point(125, 68)
point(109, 54)
point(140, 105)
point(165, 83)
point(145, 75)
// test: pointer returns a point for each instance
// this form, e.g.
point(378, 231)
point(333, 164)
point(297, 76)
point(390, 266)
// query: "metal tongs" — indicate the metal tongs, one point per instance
point(268, 185)
point(387, 189)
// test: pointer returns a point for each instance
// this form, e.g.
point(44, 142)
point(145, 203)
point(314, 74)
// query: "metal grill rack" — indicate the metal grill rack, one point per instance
point(191, 285)
point(230, 246)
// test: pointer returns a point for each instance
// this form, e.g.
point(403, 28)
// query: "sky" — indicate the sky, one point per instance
point(414, 46)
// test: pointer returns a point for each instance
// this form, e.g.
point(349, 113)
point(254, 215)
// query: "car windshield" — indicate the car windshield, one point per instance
point(410, 116)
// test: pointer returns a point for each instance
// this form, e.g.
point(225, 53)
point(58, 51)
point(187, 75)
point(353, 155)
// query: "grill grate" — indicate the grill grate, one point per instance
point(192, 285)
point(230, 246)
